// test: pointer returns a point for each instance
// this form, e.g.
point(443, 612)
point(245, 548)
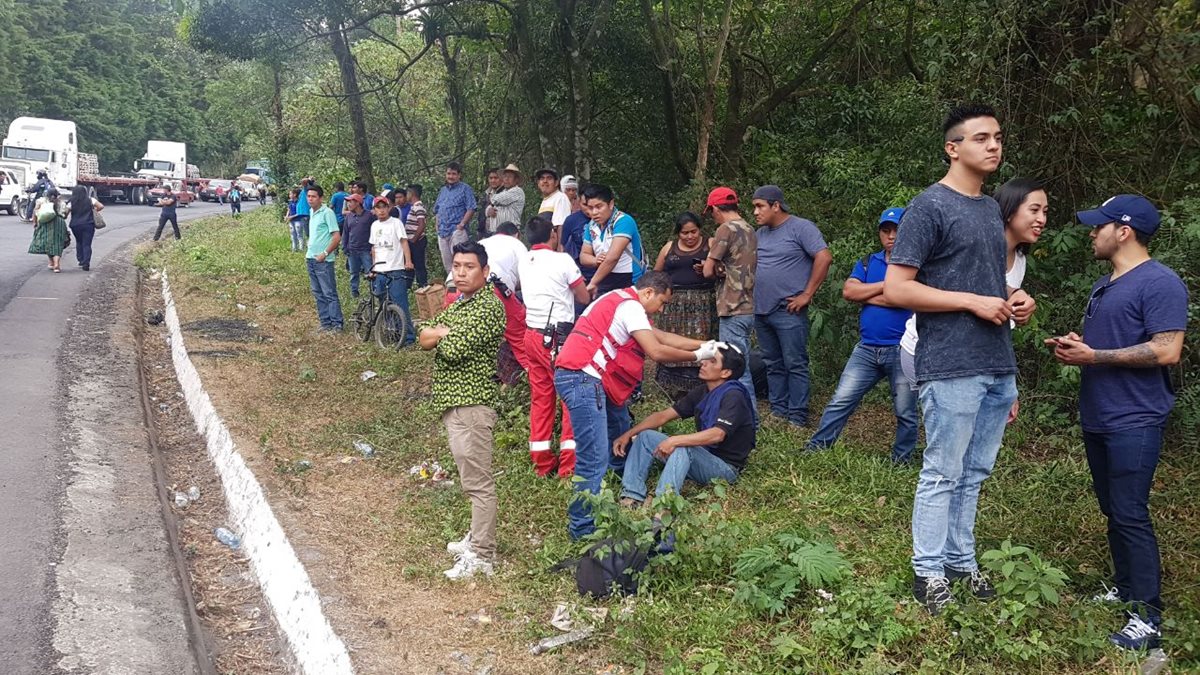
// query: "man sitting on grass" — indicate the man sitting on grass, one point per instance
point(723, 440)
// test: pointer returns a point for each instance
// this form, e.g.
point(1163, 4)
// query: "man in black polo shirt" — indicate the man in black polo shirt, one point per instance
point(723, 440)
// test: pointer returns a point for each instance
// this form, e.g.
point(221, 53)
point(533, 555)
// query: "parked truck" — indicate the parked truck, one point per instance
point(35, 144)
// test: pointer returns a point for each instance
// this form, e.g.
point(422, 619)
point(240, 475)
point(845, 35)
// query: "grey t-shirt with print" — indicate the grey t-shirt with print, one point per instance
point(957, 243)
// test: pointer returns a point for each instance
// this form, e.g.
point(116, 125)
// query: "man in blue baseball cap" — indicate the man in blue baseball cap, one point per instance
point(1132, 332)
point(877, 354)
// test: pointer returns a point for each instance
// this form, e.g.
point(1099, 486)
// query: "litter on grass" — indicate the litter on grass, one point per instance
point(432, 472)
point(367, 374)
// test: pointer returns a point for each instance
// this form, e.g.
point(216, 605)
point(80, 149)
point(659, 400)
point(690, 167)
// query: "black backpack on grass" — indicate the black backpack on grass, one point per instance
point(609, 562)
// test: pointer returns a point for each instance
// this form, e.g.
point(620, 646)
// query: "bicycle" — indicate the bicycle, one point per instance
point(377, 315)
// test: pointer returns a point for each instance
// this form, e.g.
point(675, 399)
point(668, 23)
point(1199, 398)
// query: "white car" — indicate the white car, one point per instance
point(10, 192)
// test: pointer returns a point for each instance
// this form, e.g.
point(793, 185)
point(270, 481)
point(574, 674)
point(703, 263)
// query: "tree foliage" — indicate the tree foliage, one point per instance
point(116, 69)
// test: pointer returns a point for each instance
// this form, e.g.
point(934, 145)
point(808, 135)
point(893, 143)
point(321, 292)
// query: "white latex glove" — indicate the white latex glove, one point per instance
point(708, 350)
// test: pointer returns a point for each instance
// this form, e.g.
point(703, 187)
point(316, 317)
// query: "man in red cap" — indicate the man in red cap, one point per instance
point(732, 257)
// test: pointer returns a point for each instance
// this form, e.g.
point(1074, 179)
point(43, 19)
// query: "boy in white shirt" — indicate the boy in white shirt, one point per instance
point(392, 259)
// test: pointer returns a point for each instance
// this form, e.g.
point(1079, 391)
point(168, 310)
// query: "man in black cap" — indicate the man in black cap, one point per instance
point(792, 263)
point(1133, 326)
point(555, 206)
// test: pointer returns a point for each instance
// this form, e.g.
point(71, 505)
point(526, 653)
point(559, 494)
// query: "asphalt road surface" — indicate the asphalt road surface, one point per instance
point(86, 578)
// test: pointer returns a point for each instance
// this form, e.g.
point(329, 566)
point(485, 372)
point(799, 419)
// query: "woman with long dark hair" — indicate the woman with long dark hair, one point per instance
point(49, 229)
point(83, 209)
point(692, 311)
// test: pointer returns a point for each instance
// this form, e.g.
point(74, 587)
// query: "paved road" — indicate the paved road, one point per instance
point(85, 578)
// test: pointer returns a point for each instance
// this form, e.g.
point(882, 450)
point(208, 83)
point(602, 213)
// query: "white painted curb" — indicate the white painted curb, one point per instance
point(283, 580)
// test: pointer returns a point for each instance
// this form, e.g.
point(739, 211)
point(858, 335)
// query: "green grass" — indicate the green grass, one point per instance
point(686, 618)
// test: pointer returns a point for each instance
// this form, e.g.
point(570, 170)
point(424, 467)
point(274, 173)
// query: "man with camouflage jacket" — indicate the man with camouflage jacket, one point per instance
point(733, 256)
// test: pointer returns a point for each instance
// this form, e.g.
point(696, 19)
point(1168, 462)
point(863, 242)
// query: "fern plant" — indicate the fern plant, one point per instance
point(769, 577)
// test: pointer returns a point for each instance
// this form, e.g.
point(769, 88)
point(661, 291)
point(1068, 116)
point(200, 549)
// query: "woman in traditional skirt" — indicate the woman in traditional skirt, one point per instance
point(692, 311)
point(50, 229)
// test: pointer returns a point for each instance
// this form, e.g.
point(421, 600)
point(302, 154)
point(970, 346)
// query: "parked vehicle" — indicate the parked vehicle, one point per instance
point(183, 196)
point(10, 192)
point(35, 143)
point(213, 189)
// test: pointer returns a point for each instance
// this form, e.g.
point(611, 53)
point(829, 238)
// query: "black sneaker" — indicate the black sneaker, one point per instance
point(933, 593)
point(976, 581)
point(1137, 635)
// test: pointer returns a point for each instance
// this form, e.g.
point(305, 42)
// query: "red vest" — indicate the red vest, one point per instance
point(592, 343)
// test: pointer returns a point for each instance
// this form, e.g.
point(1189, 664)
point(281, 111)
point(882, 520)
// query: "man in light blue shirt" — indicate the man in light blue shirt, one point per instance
point(453, 209)
point(324, 237)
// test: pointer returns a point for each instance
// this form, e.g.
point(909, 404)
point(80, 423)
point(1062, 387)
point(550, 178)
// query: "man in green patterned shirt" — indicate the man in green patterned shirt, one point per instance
point(466, 337)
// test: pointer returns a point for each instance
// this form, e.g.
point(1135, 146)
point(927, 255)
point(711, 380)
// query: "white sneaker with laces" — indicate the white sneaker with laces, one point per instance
point(468, 565)
point(461, 546)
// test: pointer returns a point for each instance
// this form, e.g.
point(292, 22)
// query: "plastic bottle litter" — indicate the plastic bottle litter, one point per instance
point(228, 538)
point(547, 644)
point(181, 500)
point(364, 448)
point(193, 493)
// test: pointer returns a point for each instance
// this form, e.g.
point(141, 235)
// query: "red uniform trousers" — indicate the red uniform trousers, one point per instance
point(542, 404)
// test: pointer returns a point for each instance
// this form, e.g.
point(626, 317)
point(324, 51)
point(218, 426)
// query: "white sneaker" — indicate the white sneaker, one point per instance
point(460, 547)
point(468, 565)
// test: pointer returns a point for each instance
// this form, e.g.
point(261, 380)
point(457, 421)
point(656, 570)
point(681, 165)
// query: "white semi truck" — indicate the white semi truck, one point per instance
point(35, 144)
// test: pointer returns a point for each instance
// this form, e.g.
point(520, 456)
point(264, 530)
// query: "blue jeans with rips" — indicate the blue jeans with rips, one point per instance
point(685, 462)
point(866, 366)
point(360, 264)
point(586, 403)
point(783, 337)
point(322, 279)
point(398, 293)
point(1122, 464)
point(964, 425)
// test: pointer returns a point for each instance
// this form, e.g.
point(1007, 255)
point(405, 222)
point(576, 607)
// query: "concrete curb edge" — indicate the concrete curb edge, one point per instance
point(282, 578)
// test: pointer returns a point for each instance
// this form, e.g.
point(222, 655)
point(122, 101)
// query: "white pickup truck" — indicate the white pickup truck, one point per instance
point(10, 192)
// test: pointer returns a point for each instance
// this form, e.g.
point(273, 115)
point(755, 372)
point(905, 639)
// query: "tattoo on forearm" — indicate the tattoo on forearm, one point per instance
point(1137, 355)
point(1141, 355)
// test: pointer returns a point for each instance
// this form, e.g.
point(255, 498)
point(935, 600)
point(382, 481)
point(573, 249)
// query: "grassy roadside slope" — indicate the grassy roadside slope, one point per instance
point(740, 595)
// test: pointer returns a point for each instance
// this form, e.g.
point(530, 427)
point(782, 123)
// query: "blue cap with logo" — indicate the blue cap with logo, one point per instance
point(1133, 210)
point(891, 215)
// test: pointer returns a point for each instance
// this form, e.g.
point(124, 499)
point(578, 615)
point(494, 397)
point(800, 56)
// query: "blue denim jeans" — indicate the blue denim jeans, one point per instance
point(964, 424)
point(585, 400)
point(297, 232)
point(1122, 465)
point(685, 462)
point(866, 366)
point(322, 279)
point(618, 423)
point(398, 292)
point(360, 265)
point(783, 337)
point(736, 331)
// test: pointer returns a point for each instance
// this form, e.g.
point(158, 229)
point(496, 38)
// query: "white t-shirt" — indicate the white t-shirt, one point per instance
point(504, 255)
point(629, 318)
point(1013, 278)
point(558, 205)
point(385, 237)
point(547, 278)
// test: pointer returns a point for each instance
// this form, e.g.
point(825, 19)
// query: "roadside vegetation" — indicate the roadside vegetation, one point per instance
point(800, 567)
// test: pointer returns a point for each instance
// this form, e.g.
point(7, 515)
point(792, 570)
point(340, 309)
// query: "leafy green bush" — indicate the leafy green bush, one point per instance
point(769, 577)
point(859, 620)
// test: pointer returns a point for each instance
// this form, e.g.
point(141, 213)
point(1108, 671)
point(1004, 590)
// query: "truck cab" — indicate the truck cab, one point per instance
point(35, 144)
point(163, 160)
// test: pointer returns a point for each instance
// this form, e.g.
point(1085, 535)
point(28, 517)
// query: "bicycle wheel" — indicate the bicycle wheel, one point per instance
point(364, 317)
point(391, 327)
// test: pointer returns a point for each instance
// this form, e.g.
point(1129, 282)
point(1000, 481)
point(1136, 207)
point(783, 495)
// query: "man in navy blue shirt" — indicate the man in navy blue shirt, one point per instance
point(1132, 332)
point(877, 354)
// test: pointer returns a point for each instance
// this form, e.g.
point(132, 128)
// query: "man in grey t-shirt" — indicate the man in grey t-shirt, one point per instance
point(948, 266)
point(792, 263)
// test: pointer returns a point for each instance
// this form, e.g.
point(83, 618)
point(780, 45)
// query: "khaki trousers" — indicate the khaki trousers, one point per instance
point(469, 429)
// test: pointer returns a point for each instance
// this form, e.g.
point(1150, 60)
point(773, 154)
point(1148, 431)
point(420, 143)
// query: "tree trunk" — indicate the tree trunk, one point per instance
point(279, 163)
point(348, 71)
point(529, 78)
point(454, 96)
point(663, 40)
point(709, 105)
point(579, 43)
